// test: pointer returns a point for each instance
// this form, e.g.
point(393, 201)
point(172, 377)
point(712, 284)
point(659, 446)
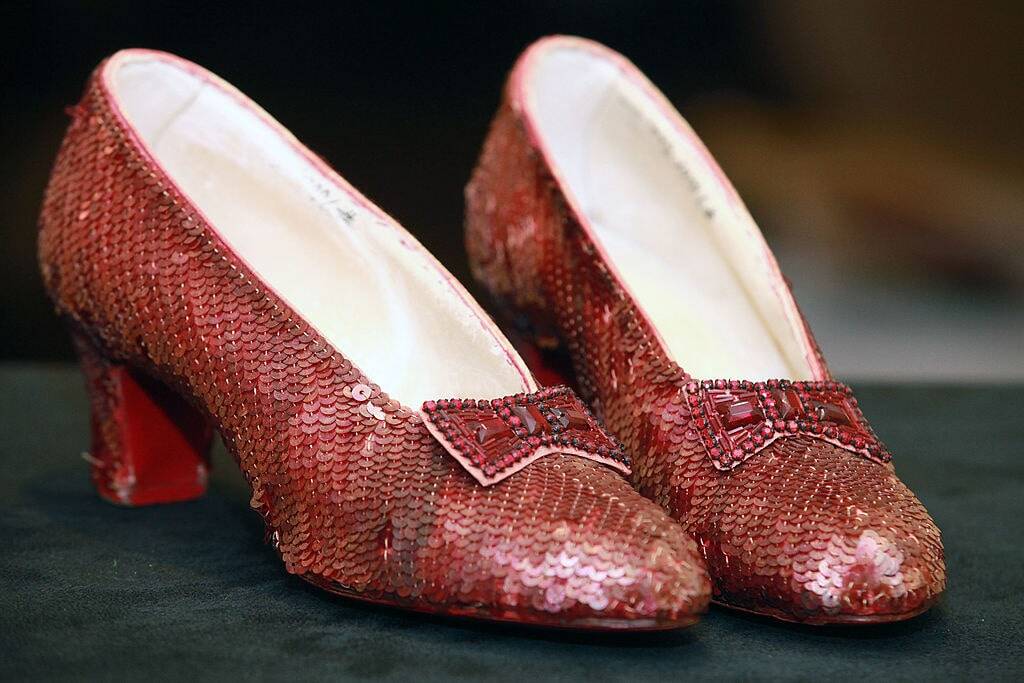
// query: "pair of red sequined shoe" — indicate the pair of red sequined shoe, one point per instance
point(217, 275)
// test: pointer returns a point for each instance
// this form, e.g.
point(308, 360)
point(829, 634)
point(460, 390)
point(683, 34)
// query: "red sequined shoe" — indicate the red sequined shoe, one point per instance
point(597, 217)
point(214, 271)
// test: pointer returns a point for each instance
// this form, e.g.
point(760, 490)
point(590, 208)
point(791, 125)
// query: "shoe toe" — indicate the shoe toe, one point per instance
point(566, 542)
point(813, 533)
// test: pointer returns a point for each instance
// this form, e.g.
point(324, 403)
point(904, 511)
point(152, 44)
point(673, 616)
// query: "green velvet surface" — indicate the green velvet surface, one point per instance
point(189, 591)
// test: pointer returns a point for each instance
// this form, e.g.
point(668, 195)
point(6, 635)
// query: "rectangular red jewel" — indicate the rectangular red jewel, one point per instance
point(787, 402)
point(739, 414)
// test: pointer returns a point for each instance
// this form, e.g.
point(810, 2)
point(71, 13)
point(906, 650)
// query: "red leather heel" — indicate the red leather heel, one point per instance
point(550, 364)
point(148, 445)
point(541, 348)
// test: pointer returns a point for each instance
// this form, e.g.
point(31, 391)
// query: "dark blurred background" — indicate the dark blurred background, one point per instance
point(878, 143)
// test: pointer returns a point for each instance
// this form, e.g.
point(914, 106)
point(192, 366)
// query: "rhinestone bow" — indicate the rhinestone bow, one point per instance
point(495, 438)
point(735, 420)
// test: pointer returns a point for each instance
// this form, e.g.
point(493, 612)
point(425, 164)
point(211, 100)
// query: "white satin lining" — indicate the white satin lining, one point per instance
point(350, 271)
point(669, 222)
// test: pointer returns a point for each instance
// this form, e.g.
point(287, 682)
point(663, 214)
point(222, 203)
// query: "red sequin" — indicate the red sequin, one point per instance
point(804, 529)
point(357, 495)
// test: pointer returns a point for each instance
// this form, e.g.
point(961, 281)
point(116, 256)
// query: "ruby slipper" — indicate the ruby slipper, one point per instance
point(217, 275)
point(597, 216)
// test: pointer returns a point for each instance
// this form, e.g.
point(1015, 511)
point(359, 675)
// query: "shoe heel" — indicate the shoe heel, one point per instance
point(148, 444)
point(542, 349)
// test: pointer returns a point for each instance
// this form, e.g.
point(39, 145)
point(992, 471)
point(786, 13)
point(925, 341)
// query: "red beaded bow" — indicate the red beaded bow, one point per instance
point(495, 438)
point(736, 419)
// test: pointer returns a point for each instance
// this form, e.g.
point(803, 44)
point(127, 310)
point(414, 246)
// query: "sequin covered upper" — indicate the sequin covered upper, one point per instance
point(357, 495)
point(795, 527)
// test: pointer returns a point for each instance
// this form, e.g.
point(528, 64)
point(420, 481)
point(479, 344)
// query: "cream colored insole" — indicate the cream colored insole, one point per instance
point(358, 278)
point(665, 221)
